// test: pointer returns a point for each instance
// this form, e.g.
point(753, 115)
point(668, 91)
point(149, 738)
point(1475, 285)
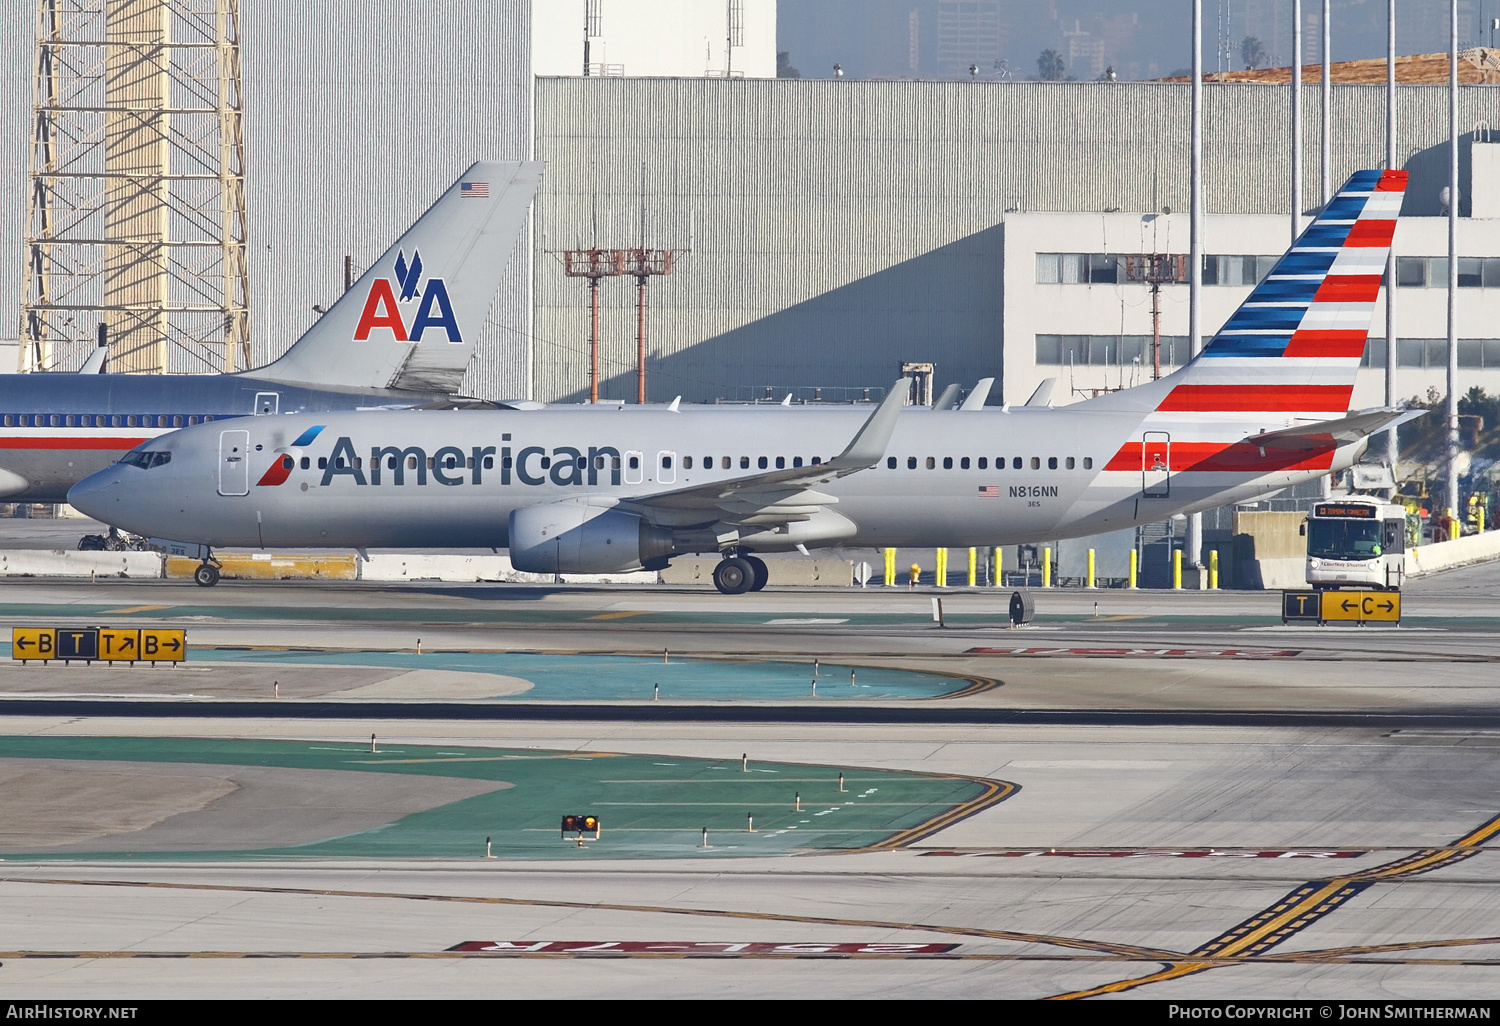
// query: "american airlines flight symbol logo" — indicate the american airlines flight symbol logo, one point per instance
point(382, 310)
point(279, 469)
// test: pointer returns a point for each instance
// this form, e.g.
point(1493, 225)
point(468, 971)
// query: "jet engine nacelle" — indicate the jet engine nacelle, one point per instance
point(577, 538)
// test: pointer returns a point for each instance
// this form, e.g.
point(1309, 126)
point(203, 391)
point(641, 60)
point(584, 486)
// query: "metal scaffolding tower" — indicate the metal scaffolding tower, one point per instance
point(135, 220)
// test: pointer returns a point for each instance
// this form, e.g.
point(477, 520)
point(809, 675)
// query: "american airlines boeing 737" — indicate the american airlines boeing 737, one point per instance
point(586, 489)
point(402, 336)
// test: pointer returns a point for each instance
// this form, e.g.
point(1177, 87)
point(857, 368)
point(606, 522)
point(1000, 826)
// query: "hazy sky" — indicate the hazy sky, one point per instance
point(1139, 38)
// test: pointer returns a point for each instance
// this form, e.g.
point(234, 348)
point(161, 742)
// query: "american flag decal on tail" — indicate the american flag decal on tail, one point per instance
point(474, 190)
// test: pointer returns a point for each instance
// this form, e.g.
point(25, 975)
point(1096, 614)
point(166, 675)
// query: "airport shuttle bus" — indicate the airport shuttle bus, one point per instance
point(1357, 543)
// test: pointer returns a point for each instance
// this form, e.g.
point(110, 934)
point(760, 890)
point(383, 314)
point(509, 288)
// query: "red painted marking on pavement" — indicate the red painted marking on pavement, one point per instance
point(696, 948)
point(1149, 653)
point(1191, 853)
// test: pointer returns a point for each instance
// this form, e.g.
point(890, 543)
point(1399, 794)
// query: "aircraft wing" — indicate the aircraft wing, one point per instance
point(1344, 431)
point(778, 496)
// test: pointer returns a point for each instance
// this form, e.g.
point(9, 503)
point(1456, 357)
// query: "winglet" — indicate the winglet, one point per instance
point(976, 399)
point(875, 436)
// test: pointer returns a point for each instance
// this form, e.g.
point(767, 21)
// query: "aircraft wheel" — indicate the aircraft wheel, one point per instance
point(206, 575)
point(760, 570)
point(734, 576)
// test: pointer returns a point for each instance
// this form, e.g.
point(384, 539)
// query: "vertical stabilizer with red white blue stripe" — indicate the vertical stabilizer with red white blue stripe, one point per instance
point(1294, 346)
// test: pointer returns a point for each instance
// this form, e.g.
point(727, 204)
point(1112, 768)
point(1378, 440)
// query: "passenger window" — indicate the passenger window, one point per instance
point(1036, 463)
point(10, 420)
point(726, 462)
point(287, 463)
point(546, 463)
point(911, 463)
point(72, 421)
point(963, 464)
point(614, 462)
point(598, 462)
point(816, 460)
point(177, 422)
point(413, 462)
point(931, 463)
point(984, 462)
point(323, 462)
point(890, 463)
point(1051, 462)
point(1088, 463)
point(339, 463)
point(208, 417)
point(193, 420)
point(306, 463)
point(1016, 463)
point(687, 463)
point(1070, 463)
point(359, 462)
point(744, 462)
point(796, 461)
point(390, 463)
point(761, 463)
point(489, 462)
point(583, 462)
point(947, 462)
point(781, 463)
point(666, 463)
point(635, 463)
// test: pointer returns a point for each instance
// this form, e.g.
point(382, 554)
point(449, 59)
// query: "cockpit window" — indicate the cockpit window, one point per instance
point(146, 460)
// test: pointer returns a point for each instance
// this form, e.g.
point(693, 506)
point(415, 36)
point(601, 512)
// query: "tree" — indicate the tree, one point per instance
point(784, 67)
point(1050, 66)
point(1252, 52)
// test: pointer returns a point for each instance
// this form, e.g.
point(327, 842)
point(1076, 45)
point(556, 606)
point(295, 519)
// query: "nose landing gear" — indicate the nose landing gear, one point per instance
point(207, 574)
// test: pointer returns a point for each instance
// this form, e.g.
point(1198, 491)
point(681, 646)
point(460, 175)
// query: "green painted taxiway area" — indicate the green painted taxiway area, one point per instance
point(649, 806)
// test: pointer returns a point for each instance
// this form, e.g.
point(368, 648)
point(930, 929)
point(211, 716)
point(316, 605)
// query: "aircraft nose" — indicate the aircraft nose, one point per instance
point(95, 494)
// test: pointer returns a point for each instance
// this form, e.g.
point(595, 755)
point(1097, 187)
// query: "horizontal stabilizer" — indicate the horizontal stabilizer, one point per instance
point(1344, 431)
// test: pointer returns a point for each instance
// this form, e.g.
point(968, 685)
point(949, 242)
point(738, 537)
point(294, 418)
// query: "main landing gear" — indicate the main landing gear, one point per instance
point(736, 574)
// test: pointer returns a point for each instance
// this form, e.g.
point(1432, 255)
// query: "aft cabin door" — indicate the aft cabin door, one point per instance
point(1156, 465)
point(234, 467)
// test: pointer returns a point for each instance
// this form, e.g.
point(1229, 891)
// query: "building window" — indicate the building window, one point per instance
point(1108, 350)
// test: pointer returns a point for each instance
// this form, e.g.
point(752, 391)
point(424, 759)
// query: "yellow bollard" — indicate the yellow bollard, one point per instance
point(1089, 582)
point(995, 572)
point(1047, 568)
point(940, 569)
point(1480, 518)
point(1177, 569)
point(890, 568)
point(1213, 569)
point(973, 567)
point(1135, 558)
point(916, 575)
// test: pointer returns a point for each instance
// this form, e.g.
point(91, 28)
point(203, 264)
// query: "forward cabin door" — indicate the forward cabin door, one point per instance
point(1156, 465)
point(234, 467)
